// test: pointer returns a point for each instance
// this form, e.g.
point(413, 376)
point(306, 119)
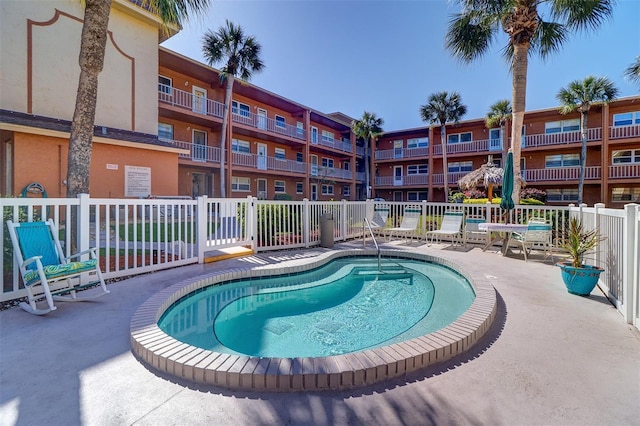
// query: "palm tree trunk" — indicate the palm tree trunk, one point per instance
point(583, 154)
point(519, 94)
point(367, 180)
point(92, 50)
point(223, 140)
point(445, 165)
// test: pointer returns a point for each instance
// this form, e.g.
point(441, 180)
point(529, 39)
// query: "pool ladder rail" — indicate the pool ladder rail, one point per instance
point(367, 224)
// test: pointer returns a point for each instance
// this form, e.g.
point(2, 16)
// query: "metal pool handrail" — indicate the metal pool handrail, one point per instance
point(364, 240)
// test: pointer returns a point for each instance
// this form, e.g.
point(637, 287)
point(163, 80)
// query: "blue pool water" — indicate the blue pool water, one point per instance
point(344, 306)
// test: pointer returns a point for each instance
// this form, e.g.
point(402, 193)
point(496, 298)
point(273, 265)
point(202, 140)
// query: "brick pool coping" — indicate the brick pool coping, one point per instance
point(166, 354)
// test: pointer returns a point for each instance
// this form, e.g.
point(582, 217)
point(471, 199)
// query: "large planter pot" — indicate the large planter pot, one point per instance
point(580, 281)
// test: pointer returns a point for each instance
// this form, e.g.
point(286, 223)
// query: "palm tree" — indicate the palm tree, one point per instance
point(443, 108)
point(92, 50)
point(241, 57)
point(367, 128)
point(579, 96)
point(498, 115)
point(633, 72)
point(472, 32)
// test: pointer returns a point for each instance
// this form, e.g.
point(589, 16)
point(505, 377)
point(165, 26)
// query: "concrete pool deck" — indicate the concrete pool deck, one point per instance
point(550, 358)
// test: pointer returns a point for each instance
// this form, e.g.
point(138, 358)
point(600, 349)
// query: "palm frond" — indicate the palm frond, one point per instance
point(470, 35)
point(548, 38)
point(633, 71)
point(582, 14)
point(580, 94)
point(443, 108)
point(499, 113)
point(176, 12)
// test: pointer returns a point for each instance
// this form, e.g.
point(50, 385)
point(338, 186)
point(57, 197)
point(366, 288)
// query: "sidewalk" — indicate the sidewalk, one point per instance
point(551, 358)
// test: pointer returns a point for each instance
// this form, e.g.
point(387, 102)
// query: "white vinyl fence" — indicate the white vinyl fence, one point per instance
point(143, 235)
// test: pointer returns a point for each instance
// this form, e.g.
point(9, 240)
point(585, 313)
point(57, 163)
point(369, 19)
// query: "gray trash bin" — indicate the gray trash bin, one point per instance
point(326, 230)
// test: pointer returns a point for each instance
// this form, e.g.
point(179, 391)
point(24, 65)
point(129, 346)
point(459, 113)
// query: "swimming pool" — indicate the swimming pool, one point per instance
point(234, 369)
point(344, 306)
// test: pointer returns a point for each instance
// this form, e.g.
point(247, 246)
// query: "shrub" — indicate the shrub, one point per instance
point(283, 197)
point(456, 197)
point(475, 194)
point(534, 193)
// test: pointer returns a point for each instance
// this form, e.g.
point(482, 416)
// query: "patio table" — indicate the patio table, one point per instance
point(503, 231)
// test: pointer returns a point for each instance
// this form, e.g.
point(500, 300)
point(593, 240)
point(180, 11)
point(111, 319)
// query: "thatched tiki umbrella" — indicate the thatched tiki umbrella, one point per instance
point(487, 175)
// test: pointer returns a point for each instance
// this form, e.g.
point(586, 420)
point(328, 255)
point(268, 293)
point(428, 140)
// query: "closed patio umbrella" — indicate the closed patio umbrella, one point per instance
point(506, 202)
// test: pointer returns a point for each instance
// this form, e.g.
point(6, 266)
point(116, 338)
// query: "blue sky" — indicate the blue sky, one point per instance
point(388, 56)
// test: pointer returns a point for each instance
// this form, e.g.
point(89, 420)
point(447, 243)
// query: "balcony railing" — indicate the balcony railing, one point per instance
point(261, 162)
point(268, 124)
point(438, 179)
point(561, 174)
point(335, 143)
point(408, 180)
point(390, 154)
point(208, 154)
point(329, 172)
point(360, 176)
point(473, 146)
point(186, 100)
point(593, 134)
point(624, 171)
point(621, 132)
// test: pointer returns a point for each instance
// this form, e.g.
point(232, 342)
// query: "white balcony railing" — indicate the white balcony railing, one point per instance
point(456, 148)
point(208, 154)
point(180, 98)
point(621, 132)
point(624, 171)
point(390, 154)
point(593, 134)
point(561, 174)
point(329, 173)
point(438, 179)
point(261, 162)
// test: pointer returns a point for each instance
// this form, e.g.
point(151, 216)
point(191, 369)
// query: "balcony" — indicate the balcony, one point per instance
point(561, 174)
point(329, 172)
point(270, 125)
point(593, 134)
point(624, 171)
point(180, 98)
point(394, 154)
point(334, 143)
point(623, 132)
point(200, 153)
point(438, 179)
point(261, 162)
point(409, 180)
point(473, 146)
point(360, 176)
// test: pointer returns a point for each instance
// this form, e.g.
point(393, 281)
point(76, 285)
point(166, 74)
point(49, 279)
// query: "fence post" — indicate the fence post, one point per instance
point(251, 224)
point(343, 220)
point(424, 219)
point(630, 254)
point(84, 224)
point(306, 221)
point(201, 226)
point(596, 222)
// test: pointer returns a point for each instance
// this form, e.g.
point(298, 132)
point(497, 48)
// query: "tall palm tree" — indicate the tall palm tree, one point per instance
point(443, 108)
point(92, 50)
point(579, 96)
point(498, 115)
point(472, 32)
point(241, 57)
point(367, 128)
point(633, 72)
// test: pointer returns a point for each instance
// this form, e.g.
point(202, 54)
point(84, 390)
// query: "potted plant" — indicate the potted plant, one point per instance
point(579, 278)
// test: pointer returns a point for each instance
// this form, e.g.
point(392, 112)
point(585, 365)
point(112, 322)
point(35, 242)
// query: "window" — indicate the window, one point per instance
point(327, 189)
point(314, 135)
point(463, 166)
point(299, 157)
point(626, 119)
point(280, 154)
point(625, 194)
point(280, 122)
point(418, 169)
point(459, 137)
point(561, 160)
point(240, 146)
point(299, 128)
point(346, 191)
point(241, 109)
point(327, 136)
point(565, 194)
point(164, 86)
point(165, 131)
point(279, 186)
point(563, 126)
point(299, 187)
point(327, 162)
point(417, 195)
point(240, 184)
point(417, 143)
point(626, 157)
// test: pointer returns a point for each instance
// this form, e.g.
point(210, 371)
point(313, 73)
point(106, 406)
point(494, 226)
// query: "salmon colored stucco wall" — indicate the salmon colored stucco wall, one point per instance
point(43, 159)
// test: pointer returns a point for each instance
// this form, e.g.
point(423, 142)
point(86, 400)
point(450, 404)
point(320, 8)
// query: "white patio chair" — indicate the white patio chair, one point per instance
point(538, 234)
point(471, 229)
point(378, 219)
point(409, 225)
point(451, 226)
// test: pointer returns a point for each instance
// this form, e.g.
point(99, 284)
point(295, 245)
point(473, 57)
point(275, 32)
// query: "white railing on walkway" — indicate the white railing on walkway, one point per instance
point(624, 171)
point(143, 235)
point(561, 173)
point(622, 132)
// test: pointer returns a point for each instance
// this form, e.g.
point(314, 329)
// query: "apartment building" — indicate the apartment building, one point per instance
point(409, 163)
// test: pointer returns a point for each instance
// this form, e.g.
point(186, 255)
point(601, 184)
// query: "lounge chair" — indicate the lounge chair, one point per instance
point(409, 225)
point(538, 234)
point(378, 219)
point(451, 226)
point(472, 230)
point(46, 272)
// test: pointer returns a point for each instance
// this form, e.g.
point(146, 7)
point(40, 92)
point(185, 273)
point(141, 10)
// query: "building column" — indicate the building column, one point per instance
point(604, 155)
point(306, 192)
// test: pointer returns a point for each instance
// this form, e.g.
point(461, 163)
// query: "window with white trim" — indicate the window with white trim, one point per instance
point(281, 122)
point(561, 160)
point(299, 187)
point(327, 136)
point(346, 191)
point(300, 128)
point(280, 154)
point(562, 126)
point(417, 195)
point(626, 119)
point(417, 143)
point(327, 162)
point(418, 169)
point(459, 137)
point(563, 194)
point(243, 147)
point(165, 131)
point(462, 166)
point(625, 194)
point(628, 156)
point(241, 109)
point(314, 135)
point(327, 189)
point(164, 85)
point(299, 157)
point(241, 184)
point(279, 186)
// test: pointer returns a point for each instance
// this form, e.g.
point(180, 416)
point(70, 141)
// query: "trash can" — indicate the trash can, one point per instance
point(326, 230)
